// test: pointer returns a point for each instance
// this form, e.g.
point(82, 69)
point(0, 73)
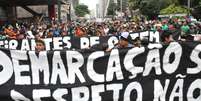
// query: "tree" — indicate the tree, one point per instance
point(196, 11)
point(194, 3)
point(134, 4)
point(81, 10)
point(173, 9)
point(175, 2)
point(150, 8)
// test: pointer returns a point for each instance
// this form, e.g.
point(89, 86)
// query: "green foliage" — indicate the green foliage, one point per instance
point(150, 8)
point(196, 12)
point(175, 2)
point(173, 9)
point(199, 4)
point(194, 3)
point(134, 4)
point(81, 10)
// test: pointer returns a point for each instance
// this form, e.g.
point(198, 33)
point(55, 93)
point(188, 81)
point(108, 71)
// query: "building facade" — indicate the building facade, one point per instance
point(103, 5)
point(124, 4)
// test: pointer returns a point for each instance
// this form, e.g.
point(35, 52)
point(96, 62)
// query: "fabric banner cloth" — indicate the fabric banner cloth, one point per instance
point(60, 43)
point(171, 73)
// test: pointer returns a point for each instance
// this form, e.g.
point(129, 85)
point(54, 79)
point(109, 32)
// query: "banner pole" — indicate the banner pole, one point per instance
point(59, 10)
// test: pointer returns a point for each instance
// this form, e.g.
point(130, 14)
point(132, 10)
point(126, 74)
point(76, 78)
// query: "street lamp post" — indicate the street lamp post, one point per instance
point(121, 5)
point(59, 10)
point(189, 4)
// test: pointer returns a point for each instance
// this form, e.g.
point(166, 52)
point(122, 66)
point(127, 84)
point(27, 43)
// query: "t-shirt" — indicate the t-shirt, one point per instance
point(185, 28)
point(2, 37)
point(165, 27)
point(56, 33)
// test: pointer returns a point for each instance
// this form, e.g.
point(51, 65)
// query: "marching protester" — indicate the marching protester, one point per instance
point(166, 37)
point(9, 32)
point(185, 29)
point(125, 40)
point(79, 31)
point(137, 42)
point(26, 30)
point(40, 46)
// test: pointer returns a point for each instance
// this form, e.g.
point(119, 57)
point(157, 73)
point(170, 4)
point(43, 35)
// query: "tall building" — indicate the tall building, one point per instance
point(43, 9)
point(120, 4)
point(97, 10)
point(106, 8)
point(93, 8)
point(2, 14)
point(75, 2)
point(124, 4)
point(103, 5)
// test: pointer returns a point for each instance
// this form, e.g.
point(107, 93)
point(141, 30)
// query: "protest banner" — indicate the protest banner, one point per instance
point(171, 73)
point(60, 43)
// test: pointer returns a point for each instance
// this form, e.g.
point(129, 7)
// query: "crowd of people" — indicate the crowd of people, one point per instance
point(182, 25)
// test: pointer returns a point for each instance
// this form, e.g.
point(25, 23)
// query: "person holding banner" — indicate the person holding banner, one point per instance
point(10, 32)
point(166, 37)
point(125, 40)
point(40, 46)
point(137, 42)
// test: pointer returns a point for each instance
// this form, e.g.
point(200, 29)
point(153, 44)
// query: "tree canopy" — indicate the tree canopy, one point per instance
point(173, 9)
point(81, 10)
point(152, 8)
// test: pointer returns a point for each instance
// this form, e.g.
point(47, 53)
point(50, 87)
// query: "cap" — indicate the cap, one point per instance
point(124, 35)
